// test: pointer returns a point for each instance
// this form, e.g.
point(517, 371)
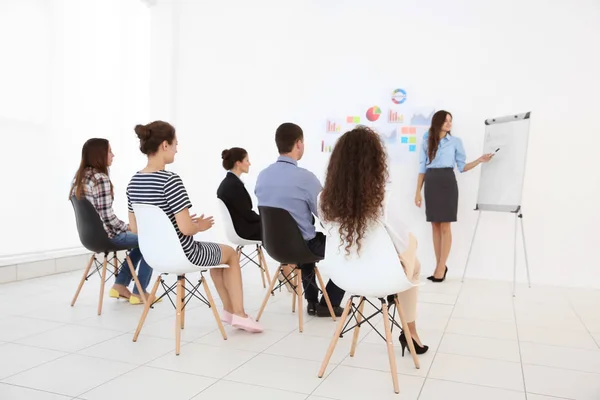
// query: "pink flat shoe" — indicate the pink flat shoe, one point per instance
point(226, 317)
point(247, 324)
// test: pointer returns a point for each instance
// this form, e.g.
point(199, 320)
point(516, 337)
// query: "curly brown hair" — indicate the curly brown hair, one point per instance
point(354, 190)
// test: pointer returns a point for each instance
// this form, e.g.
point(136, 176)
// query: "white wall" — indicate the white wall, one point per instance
point(240, 68)
point(70, 70)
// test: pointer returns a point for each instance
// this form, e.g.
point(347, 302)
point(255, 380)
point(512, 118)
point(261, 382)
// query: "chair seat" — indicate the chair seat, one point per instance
point(191, 268)
point(247, 242)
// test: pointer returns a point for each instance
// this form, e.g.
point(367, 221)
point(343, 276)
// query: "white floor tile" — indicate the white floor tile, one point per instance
point(478, 371)
point(308, 347)
point(484, 311)
point(557, 337)
point(541, 397)
point(158, 384)
point(437, 298)
point(14, 328)
point(279, 373)
point(71, 375)
point(15, 358)
point(562, 383)
point(60, 313)
point(199, 359)
point(561, 357)
point(242, 340)
point(497, 349)
point(69, 338)
point(123, 349)
point(347, 383)
point(435, 390)
point(10, 392)
point(226, 390)
point(488, 329)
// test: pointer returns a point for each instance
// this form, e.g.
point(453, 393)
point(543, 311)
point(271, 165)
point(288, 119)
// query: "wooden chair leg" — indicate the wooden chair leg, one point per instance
point(263, 262)
point(183, 306)
point(115, 263)
point(390, 347)
point(178, 304)
point(267, 295)
point(147, 306)
point(361, 307)
point(334, 339)
point(300, 310)
point(214, 308)
point(295, 292)
point(409, 341)
point(101, 299)
point(327, 301)
point(85, 273)
point(136, 280)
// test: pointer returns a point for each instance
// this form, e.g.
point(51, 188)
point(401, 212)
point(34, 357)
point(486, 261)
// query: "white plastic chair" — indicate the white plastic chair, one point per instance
point(239, 242)
point(376, 272)
point(162, 250)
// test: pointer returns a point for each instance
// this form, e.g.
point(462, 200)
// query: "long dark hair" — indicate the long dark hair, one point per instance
point(94, 154)
point(354, 189)
point(438, 120)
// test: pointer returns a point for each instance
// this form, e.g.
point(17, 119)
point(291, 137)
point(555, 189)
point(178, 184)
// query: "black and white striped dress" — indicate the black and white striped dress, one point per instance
point(165, 189)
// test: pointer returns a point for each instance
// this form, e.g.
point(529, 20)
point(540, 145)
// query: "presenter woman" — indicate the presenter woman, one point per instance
point(440, 151)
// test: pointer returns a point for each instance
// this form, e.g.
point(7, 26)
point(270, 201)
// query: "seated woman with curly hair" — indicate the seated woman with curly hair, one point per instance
point(354, 196)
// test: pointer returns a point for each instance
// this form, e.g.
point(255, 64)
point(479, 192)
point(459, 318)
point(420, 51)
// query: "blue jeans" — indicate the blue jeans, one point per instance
point(130, 240)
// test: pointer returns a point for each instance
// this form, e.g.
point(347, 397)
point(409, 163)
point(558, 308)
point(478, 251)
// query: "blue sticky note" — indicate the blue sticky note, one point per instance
point(412, 147)
point(404, 139)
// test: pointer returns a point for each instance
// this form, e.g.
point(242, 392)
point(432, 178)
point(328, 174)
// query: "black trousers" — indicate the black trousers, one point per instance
point(309, 280)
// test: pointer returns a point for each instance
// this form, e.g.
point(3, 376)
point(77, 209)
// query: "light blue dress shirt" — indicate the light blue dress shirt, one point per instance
point(285, 185)
point(450, 152)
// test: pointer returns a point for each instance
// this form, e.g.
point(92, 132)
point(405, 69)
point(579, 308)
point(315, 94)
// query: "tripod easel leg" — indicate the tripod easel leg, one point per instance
point(525, 250)
point(471, 247)
point(515, 256)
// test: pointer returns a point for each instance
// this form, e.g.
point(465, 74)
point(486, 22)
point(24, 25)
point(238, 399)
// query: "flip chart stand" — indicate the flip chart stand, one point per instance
point(518, 217)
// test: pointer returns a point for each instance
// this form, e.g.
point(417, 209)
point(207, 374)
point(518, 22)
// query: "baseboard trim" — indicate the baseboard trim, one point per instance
point(34, 267)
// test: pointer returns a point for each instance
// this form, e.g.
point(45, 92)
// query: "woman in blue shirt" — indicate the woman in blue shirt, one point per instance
point(440, 151)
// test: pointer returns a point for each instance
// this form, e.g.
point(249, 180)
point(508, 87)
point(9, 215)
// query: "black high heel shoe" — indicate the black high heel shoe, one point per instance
point(432, 278)
point(418, 349)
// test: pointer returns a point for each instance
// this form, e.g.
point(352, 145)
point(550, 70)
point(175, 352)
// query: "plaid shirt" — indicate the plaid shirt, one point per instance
point(97, 191)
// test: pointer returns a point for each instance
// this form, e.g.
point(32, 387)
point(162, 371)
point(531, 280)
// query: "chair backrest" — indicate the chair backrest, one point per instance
point(376, 272)
point(158, 240)
point(230, 232)
point(282, 238)
point(90, 227)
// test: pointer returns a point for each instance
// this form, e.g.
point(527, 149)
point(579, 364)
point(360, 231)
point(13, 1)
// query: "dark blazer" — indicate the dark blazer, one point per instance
point(235, 196)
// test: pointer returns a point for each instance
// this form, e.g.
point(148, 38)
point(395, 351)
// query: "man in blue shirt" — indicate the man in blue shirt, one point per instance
point(285, 185)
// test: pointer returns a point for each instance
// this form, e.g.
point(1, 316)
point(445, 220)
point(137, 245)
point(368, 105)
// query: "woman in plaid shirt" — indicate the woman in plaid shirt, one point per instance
point(92, 181)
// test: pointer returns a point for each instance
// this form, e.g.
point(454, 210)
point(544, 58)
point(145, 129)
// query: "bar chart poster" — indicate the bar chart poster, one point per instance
point(394, 117)
point(333, 126)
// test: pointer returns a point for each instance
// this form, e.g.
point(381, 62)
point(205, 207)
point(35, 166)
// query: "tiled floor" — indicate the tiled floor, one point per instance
point(542, 345)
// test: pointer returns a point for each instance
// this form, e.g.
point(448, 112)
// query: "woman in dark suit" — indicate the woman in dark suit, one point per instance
point(235, 196)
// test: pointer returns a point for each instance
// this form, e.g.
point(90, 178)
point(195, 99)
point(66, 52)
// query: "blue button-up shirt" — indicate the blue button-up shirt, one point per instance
point(285, 185)
point(449, 152)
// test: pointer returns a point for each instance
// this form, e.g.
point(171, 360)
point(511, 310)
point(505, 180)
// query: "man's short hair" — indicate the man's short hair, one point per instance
point(286, 137)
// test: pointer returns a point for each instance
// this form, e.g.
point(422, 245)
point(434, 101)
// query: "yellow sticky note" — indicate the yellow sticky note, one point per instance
point(412, 139)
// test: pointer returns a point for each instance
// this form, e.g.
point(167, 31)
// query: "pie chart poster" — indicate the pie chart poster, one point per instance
point(396, 114)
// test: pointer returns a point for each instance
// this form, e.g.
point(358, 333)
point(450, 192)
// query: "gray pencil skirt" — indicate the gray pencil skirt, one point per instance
point(441, 195)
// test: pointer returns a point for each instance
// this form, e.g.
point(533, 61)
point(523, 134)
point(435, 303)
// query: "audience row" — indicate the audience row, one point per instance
point(353, 196)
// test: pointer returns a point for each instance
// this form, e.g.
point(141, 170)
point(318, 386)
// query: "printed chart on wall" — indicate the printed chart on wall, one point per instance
point(400, 124)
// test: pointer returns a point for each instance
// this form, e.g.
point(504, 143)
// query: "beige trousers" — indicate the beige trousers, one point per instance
point(412, 269)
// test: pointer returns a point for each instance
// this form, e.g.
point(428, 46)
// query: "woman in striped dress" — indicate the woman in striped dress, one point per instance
point(155, 186)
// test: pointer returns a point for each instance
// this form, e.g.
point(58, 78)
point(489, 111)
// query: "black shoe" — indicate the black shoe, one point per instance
point(323, 311)
point(432, 278)
point(311, 308)
point(418, 349)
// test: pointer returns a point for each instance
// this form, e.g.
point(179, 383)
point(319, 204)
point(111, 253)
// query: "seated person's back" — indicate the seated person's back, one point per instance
point(294, 189)
point(234, 195)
